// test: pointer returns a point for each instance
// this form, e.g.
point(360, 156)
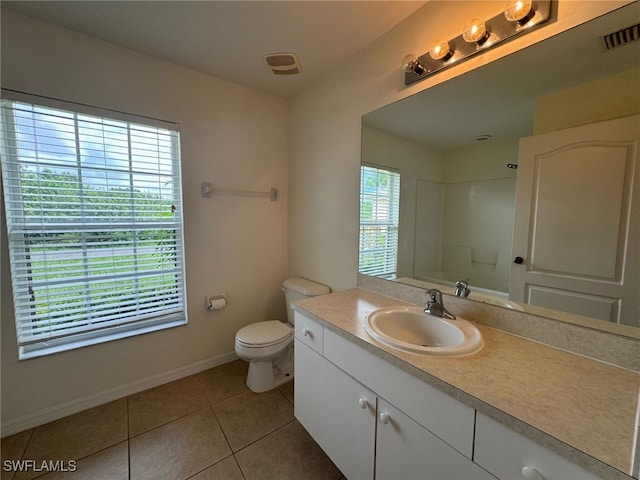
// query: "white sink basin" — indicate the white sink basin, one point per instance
point(493, 300)
point(412, 330)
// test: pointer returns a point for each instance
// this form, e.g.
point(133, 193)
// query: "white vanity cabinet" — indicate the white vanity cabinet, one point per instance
point(375, 420)
point(337, 411)
point(366, 433)
point(510, 456)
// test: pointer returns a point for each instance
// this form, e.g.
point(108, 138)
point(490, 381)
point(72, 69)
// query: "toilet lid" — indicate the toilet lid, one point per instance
point(264, 333)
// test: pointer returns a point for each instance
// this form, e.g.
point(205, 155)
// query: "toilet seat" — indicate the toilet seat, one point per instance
point(264, 334)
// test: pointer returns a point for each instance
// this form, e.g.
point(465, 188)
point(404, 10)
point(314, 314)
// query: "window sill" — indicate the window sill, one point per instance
point(93, 338)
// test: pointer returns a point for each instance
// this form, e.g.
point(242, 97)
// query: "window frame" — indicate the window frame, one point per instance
point(389, 266)
point(120, 324)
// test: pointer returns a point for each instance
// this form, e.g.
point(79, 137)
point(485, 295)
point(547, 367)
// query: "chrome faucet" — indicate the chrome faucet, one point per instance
point(434, 305)
point(462, 288)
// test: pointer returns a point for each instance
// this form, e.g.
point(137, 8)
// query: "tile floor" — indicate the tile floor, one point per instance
point(203, 427)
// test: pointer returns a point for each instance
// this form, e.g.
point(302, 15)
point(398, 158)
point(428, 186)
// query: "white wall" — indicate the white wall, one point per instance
point(588, 103)
point(231, 136)
point(324, 127)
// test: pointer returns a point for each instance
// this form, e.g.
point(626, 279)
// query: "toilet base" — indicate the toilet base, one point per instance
point(265, 376)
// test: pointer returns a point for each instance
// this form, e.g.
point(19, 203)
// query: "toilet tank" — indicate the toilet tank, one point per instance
point(298, 288)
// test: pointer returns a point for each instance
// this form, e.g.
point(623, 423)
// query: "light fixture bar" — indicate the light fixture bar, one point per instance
point(498, 30)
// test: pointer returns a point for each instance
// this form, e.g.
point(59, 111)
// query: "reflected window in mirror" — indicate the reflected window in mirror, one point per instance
point(379, 218)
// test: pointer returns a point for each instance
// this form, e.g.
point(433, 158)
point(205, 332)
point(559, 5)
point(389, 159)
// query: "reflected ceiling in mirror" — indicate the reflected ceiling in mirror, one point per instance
point(543, 88)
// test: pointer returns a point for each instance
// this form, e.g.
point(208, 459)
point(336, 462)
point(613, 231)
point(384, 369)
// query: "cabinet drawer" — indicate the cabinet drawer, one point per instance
point(443, 415)
point(505, 453)
point(309, 332)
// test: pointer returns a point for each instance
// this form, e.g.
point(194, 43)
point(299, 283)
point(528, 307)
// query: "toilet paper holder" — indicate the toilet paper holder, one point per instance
point(216, 301)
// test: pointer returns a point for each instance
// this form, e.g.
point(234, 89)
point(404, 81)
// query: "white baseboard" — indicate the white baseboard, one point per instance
point(74, 406)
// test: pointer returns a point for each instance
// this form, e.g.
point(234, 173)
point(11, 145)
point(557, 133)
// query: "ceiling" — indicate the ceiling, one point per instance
point(228, 39)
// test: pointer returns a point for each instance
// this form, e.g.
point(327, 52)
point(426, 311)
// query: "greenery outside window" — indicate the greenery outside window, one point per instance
point(94, 220)
point(379, 217)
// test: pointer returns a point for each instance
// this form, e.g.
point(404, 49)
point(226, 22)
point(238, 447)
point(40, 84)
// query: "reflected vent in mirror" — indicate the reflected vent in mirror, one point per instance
point(622, 37)
point(283, 63)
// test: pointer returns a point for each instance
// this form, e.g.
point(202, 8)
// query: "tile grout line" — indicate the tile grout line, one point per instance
point(210, 407)
point(42, 474)
point(265, 436)
point(170, 421)
point(224, 434)
point(255, 441)
point(213, 412)
point(209, 466)
point(24, 451)
point(244, 476)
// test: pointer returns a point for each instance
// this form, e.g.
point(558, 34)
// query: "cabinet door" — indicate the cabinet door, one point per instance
point(446, 417)
point(406, 450)
point(337, 411)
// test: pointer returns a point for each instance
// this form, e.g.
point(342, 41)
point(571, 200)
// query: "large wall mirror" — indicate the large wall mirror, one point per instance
point(521, 176)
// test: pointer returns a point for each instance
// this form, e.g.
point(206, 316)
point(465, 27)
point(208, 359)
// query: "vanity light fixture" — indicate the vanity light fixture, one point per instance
point(516, 18)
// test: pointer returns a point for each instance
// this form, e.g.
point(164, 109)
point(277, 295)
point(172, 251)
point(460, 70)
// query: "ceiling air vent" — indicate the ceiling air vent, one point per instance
point(283, 63)
point(622, 37)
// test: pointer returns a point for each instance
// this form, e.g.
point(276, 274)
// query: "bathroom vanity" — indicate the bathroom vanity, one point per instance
point(516, 409)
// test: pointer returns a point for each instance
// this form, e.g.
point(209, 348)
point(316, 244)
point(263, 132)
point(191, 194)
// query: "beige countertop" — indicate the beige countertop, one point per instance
point(584, 409)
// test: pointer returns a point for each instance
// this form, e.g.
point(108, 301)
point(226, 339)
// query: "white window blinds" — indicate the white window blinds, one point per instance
point(379, 216)
point(94, 219)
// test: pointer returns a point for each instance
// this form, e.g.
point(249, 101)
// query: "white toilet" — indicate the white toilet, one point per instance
point(268, 345)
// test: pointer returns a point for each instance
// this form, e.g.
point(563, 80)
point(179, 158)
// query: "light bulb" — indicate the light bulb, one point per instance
point(441, 50)
point(518, 10)
point(475, 31)
point(410, 63)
